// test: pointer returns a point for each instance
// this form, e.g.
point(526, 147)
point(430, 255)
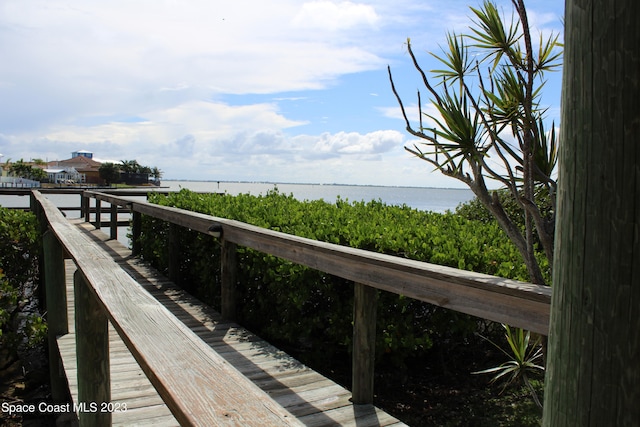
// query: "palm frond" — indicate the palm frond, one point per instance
point(490, 33)
point(455, 59)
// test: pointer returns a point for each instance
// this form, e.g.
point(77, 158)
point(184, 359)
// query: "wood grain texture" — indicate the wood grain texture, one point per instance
point(98, 211)
point(56, 306)
point(198, 385)
point(593, 377)
point(92, 347)
point(364, 342)
point(113, 222)
point(228, 272)
point(294, 386)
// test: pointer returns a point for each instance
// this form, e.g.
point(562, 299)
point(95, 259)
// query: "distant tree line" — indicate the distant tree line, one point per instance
point(26, 170)
point(128, 171)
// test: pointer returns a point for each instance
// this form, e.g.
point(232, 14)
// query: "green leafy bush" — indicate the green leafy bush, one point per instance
point(19, 246)
point(305, 308)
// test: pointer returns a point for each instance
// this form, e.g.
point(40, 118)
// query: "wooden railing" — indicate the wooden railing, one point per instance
point(501, 300)
point(195, 382)
point(81, 207)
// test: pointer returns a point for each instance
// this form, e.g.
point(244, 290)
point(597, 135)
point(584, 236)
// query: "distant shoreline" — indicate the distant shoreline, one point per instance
point(316, 183)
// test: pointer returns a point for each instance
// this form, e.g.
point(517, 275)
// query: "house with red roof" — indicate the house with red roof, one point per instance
point(82, 163)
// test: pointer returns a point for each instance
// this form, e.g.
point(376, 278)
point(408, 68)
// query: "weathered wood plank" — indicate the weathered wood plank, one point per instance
point(113, 221)
point(290, 383)
point(57, 318)
point(92, 347)
point(229, 268)
point(366, 416)
point(127, 388)
point(286, 380)
point(364, 342)
point(198, 385)
point(136, 230)
point(98, 212)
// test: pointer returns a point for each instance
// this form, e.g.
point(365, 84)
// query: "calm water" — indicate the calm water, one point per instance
point(431, 199)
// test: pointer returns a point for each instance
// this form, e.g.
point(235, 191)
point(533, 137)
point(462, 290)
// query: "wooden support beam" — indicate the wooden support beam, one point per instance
point(365, 304)
point(98, 214)
point(92, 349)
point(136, 231)
point(229, 273)
point(113, 225)
point(173, 263)
point(86, 202)
point(56, 306)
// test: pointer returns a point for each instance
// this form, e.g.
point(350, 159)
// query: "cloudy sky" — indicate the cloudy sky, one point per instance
point(249, 90)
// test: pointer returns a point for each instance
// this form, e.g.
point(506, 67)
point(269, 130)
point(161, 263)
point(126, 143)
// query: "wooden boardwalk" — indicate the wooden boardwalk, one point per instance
point(312, 398)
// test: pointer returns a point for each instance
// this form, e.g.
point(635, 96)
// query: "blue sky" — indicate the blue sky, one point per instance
point(280, 91)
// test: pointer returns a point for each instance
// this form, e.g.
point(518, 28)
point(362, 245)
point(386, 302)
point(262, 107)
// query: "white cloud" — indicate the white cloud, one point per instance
point(353, 143)
point(178, 85)
point(180, 131)
point(118, 55)
point(332, 16)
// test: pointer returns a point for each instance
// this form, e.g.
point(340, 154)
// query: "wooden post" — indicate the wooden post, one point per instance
point(98, 214)
point(33, 204)
point(364, 342)
point(86, 207)
point(136, 231)
point(113, 225)
point(593, 375)
point(56, 305)
point(173, 263)
point(92, 350)
point(229, 274)
point(43, 226)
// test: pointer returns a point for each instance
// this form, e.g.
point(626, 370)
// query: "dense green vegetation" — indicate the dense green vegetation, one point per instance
point(307, 309)
point(487, 94)
point(20, 323)
point(127, 171)
point(26, 170)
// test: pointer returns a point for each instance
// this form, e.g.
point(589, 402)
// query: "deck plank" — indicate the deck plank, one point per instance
point(314, 399)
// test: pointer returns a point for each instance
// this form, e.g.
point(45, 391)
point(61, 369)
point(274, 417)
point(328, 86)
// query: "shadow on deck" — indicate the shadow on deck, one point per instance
point(312, 398)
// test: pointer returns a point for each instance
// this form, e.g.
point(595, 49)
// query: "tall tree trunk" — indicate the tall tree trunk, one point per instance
point(593, 371)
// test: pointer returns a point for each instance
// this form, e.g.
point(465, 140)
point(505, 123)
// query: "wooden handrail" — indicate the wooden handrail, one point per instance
point(196, 383)
point(494, 298)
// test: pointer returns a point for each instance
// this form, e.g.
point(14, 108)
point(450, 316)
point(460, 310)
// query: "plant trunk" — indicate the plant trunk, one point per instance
point(513, 232)
point(593, 374)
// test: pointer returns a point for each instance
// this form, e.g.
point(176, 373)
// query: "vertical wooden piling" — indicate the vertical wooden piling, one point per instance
point(364, 342)
point(173, 263)
point(92, 350)
point(98, 214)
point(113, 224)
point(56, 304)
point(229, 269)
point(86, 210)
point(136, 231)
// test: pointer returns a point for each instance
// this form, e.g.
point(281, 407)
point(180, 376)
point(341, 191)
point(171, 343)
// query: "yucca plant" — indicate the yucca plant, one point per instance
point(523, 357)
point(490, 125)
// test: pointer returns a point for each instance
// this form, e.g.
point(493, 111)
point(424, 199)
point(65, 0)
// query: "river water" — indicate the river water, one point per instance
point(428, 199)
